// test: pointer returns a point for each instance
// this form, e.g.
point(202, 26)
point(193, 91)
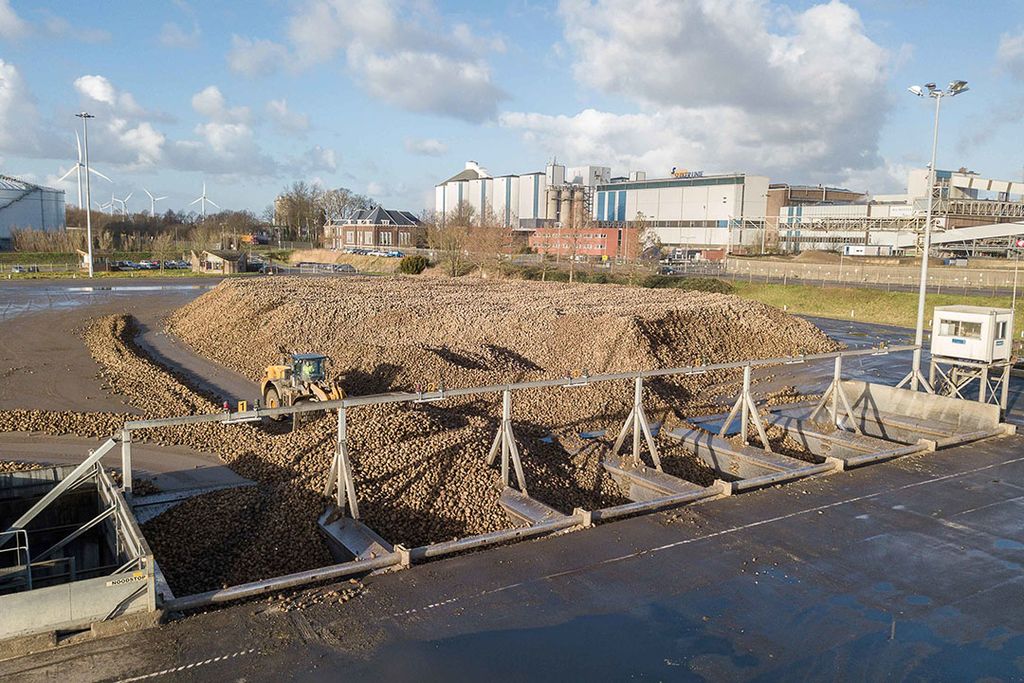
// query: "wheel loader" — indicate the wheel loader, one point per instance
point(299, 378)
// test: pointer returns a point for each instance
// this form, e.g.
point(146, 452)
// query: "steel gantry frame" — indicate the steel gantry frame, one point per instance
point(341, 482)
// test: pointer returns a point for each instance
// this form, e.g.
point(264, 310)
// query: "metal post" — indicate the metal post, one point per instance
point(837, 377)
point(1005, 381)
point(344, 469)
point(506, 417)
point(638, 397)
point(926, 249)
point(745, 411)
point(983, 386)
point(126, 461)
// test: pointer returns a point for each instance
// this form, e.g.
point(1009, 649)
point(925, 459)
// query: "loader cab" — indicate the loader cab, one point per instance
point(309, 367)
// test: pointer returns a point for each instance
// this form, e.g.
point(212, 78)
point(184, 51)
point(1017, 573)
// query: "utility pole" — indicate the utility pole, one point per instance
point(85, 116)
point(929, 90)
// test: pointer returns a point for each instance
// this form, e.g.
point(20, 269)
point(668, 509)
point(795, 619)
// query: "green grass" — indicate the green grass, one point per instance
point(36, 257)
point(865, 305)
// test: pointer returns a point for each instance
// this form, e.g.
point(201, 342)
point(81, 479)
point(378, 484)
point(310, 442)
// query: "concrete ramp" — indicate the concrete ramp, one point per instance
point(746, 466)
point(852, 449)
point(644, 483)
point(908, 416)
point(526, 511)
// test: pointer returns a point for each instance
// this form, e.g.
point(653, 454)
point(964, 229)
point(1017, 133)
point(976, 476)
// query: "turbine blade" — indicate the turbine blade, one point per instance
point(148, 192)
point(93, 170)
point(78, 141)
point(210, 201)
point(127, 198)
point(196, 201)
point(156, 199)
point(73, 169)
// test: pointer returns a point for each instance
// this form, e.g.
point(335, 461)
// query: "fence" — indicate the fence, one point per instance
point(849, 273)
point(10, 268)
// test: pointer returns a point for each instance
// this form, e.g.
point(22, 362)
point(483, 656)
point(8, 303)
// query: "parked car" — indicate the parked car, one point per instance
point(270, 269)
point(343, 268)
point(149, 264)
point(25, 269)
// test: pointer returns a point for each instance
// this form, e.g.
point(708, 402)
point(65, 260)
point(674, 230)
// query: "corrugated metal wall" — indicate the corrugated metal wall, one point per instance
point(35, 208)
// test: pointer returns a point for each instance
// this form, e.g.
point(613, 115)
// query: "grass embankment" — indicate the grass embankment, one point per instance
point(865, 305)
point(635, 279)
point(364, 264)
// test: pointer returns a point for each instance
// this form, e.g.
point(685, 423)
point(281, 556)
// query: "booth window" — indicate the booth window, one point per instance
point(1001, 330)
point(960, 328)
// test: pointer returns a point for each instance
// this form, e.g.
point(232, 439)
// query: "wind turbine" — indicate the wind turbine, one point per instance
point(152, 202)
point(204, 199)
point(77, 168)
point(123, 203)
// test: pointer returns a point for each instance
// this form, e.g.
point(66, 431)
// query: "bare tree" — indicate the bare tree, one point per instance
point(640, 240)
point(338, 204)
point(449, 237)
point(488, 242)
point(163, 247)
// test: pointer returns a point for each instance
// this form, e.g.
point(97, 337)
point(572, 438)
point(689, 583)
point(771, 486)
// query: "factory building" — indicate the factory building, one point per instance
point(596, 242)
point(28, 206)
point(688, 210)
point(526, 201)
point(987, 211)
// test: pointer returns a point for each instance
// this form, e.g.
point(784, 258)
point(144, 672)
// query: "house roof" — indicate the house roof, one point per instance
point(378, 215)
point(225, 254)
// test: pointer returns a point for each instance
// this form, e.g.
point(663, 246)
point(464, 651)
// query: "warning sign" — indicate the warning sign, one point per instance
point(129, 578)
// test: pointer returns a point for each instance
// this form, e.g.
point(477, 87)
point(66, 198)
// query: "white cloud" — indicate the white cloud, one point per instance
point(256, 57)
point(11, 25)
point(425, 147)
point(397, 50)
point(173, 35)
point(141, 142)
point(210, 103)
point(60, 27)
point(284, 118)
point(747, 86)
point(225, 143)
point(18, 114)
point(1011, 53)
point(316, 159)
point(100, 89)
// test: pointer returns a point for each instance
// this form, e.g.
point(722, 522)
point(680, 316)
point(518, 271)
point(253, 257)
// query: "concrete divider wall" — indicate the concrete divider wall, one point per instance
point(75, 604)
point(868, 400)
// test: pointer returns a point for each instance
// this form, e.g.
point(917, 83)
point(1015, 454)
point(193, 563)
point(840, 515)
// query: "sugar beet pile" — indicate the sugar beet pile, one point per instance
point(419, 468)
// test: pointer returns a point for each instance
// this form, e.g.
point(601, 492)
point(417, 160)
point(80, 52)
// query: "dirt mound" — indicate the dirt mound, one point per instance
point(397, 333)
point(419, 469)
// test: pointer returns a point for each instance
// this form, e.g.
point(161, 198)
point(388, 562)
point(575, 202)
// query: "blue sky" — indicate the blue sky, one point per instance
point(388, 97)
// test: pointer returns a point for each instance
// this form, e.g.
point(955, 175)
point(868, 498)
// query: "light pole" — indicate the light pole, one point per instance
point(85, 116)
point(929, 90)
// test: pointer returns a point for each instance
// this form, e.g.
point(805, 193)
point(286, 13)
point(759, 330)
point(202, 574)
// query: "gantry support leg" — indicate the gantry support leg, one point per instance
point(340, 482)
point(636, 422)
point(747, 411)
point(505, 442)
point(835, 397)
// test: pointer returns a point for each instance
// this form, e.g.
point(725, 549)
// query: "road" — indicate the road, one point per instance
point(909, 569)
